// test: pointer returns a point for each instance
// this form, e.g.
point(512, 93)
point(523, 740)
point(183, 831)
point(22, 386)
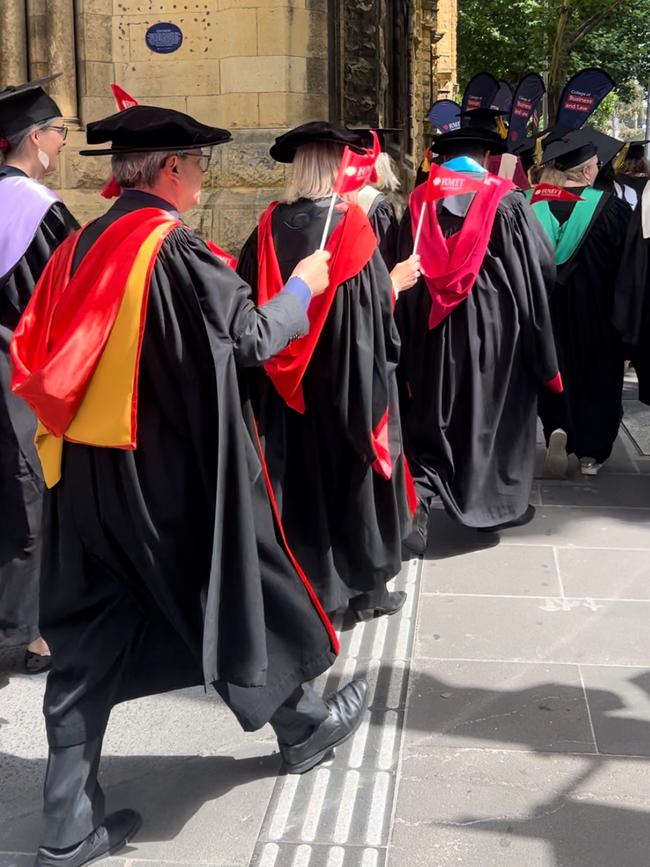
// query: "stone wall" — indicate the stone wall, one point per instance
point(256, 67)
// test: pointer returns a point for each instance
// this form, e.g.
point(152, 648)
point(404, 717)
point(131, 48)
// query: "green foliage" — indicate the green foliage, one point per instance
point(509, 39)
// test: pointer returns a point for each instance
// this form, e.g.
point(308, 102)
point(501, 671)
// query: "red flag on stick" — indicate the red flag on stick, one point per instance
point(123, 100)
point(356, 170)
point(551, 193)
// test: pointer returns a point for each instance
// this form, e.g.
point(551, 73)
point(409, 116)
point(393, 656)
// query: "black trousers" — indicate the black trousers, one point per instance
point(73, 797)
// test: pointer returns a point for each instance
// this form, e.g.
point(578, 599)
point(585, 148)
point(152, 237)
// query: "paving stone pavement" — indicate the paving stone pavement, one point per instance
point(509, 721)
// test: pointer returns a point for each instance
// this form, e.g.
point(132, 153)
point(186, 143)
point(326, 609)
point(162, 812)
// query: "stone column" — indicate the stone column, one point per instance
point(62, 54)
point(13, 42)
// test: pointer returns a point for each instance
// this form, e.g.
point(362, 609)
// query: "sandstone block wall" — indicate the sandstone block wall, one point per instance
point(255, 67)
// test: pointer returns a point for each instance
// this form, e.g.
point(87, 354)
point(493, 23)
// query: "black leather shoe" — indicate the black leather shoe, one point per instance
point(394, 603)
point(36, 663)
point(117, 830)
point(346, 709)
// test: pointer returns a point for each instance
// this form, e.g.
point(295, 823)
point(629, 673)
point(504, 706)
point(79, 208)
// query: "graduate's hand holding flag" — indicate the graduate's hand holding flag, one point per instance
point(314, 271)
point(442, 183)
point(355, 171)
point(405, 274)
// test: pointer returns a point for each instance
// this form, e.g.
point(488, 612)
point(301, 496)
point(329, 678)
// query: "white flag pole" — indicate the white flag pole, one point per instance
point(418, 231)
point(328, 221)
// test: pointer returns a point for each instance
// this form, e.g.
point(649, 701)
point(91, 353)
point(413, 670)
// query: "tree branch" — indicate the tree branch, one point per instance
point(591, 23)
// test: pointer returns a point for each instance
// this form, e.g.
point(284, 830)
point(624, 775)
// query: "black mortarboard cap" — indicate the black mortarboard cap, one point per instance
point(571, 150)
point(314, 132)
point(383, 132)
point(457, 139)
point(23, 105)
point(636, 150)
point(606, 146)
point(148, 129)
point(482, 118)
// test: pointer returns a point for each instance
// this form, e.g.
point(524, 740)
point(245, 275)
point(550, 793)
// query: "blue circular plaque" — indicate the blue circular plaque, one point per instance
point(164, 38)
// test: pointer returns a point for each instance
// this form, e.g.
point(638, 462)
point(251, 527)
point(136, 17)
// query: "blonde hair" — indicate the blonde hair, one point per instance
point(387, 180)
point(551, 175)
point(559, 177)
point(313, 171)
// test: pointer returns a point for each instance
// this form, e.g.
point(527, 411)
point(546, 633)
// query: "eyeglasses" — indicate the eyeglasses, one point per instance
point(62, 130)
point(203, 159)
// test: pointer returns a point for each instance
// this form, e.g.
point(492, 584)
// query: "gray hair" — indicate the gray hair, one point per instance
point(554, 175)
point(138, 170)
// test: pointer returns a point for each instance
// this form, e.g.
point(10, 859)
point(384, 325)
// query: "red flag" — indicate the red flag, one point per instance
point(357, 170)
point(444, 182)
point(123, 100)
point(551, 193)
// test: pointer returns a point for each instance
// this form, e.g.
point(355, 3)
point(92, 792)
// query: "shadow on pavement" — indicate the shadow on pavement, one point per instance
point(577, 819)
point(167, 790)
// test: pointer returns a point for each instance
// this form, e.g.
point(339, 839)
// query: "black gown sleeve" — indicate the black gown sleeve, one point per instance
point(383, 219)
point(257, 333)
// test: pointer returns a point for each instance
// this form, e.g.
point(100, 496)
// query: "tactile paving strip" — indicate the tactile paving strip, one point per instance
point(339, 814)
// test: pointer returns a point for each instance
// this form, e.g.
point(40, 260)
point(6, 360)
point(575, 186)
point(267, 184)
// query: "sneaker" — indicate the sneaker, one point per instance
point(589, 466)
point(557, 460)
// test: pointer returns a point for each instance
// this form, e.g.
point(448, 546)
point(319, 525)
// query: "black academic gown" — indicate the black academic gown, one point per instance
point(637, 183)
point(344, 520)
point(632, 301)
point(589, 350)
point(469, 385)
point(20, 473)
point(163, 566)
point(383, 220)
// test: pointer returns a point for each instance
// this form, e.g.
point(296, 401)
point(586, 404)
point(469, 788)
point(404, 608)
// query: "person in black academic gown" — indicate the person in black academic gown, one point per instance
point(469, 384)
point(165, 565)
point(588, 238)
point(632, 298)
point(635, 171)
point(33, 222)
point(375, 201)
point(344, 517)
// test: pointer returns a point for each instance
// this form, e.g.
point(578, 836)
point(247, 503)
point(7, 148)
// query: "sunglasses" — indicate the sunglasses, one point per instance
point(62, 130)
